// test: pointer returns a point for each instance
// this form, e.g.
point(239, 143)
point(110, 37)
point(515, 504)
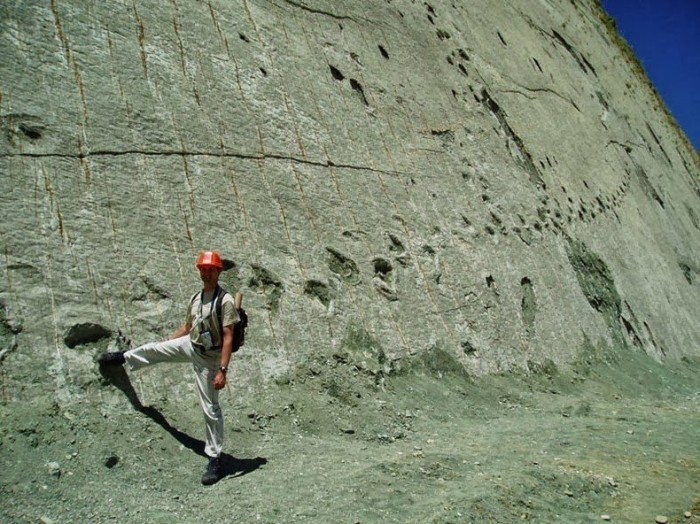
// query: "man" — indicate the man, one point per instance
point(207, 342)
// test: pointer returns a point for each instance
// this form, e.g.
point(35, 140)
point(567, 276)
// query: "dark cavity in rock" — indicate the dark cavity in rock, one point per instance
point(343, 266)
point(85, 333)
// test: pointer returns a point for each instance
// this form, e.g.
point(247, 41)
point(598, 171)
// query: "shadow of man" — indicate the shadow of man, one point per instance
point(231, 466)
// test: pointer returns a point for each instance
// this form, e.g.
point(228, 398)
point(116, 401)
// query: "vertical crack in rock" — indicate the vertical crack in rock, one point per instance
point(631, 332)
point(638, 337)
point(647, 187)
point(188, 180)
point(651, 338)
point(54, 206)
point(525, 159)
point(142, 41)
point(67, 52)
point(215, 19)
point(658, 143)
point(177, 26)
point(87, 172)
point(585, 60)
point(580, 60)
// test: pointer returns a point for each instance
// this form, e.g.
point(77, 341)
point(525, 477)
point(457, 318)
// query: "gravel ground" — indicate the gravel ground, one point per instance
point(332, 442)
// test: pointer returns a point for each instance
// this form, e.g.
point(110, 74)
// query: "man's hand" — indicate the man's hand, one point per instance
point(220, 380)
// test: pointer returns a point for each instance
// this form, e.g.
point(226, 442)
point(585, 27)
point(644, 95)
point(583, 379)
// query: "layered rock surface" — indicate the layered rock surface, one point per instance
point(495, 182)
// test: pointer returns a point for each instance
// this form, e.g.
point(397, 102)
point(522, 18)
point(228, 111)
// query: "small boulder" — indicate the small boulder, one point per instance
point(54, 469)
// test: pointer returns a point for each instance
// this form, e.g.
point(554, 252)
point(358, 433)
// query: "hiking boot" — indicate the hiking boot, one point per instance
point(213, 473)
point(114, 358)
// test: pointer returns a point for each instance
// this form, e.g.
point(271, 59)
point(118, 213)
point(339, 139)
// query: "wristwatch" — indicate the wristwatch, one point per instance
point(223, 369)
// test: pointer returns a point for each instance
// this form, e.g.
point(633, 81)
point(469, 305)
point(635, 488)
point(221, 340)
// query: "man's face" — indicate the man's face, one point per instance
point(209, 274)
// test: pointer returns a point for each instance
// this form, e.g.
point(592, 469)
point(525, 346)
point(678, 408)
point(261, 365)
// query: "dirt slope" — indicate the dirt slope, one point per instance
point(334, 442)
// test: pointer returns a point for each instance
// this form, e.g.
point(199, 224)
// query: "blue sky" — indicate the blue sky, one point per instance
point(665, 36)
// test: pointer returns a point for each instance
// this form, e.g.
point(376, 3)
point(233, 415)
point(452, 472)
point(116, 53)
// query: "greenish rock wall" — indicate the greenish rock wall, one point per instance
point(489, 181)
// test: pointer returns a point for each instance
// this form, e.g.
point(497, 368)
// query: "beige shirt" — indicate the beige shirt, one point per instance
point(201, 316)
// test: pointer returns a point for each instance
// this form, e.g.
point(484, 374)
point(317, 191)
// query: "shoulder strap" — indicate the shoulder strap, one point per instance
point(189, 311)
point(220, 294)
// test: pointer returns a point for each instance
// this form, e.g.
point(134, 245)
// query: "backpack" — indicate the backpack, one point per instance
point(239, 331)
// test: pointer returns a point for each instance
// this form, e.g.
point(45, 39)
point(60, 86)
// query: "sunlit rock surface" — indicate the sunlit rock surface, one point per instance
point(491, 180)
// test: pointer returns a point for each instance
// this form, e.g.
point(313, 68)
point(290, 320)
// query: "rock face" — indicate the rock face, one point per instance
point(493, 181)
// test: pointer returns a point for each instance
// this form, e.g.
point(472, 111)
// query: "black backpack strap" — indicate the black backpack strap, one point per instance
point(220, 294)
point(192, 302)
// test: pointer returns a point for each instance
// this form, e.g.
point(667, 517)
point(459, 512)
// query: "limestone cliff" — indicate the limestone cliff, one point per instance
point(494, 181)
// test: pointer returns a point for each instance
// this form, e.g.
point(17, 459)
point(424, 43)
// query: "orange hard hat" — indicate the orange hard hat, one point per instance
point(209, 259)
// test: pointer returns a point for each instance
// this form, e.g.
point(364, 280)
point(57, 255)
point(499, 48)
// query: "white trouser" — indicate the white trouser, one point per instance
point(205, 369)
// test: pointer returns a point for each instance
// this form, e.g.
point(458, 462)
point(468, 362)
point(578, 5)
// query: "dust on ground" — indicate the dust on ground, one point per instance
point(337, 441)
